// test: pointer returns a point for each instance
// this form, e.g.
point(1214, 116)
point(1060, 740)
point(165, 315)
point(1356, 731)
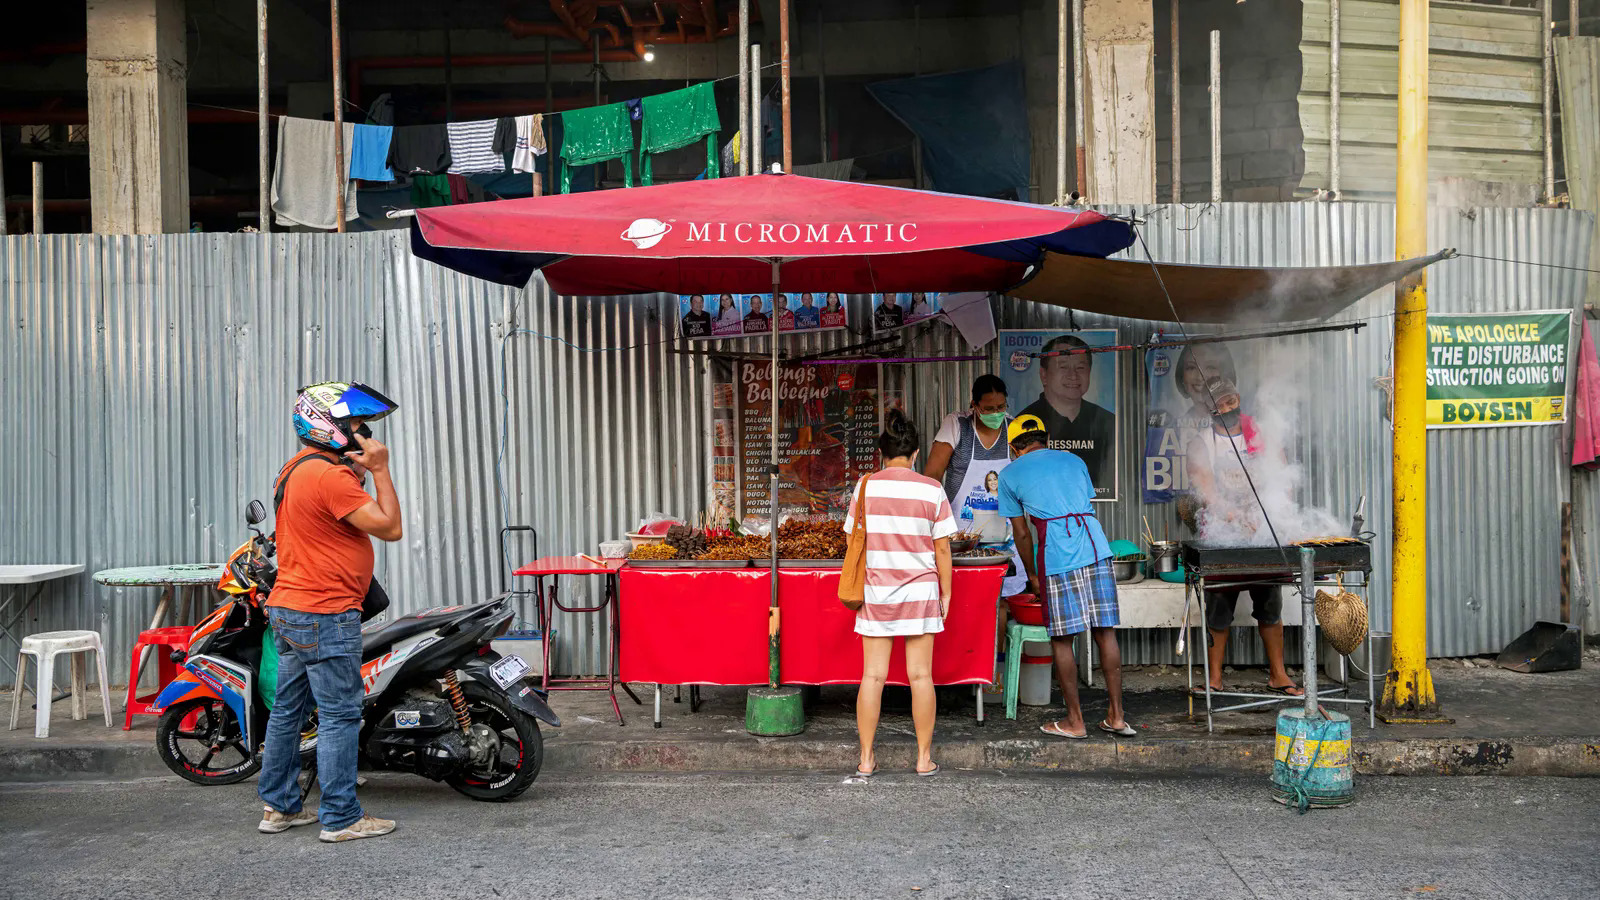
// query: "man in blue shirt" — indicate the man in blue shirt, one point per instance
point(1071, 569)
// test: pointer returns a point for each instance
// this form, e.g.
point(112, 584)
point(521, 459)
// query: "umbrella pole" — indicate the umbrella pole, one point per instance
point(774, 711)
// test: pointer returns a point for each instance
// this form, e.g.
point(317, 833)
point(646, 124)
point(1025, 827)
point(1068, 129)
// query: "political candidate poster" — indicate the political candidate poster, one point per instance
point(1074, 393)
point(703, 316)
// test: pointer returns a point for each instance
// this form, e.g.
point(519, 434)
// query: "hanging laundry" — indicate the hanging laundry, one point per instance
point(369, 153)
point(836, 170)
point(458, 189)
point(523, 138)
point(596, 134)
point(634, 110)
point(381, 112)
point(472, 147)
point(678, 119)
point(306, 179)
point(430, 190)
point(1586, 404)
point(419, 150)
point(730, 154)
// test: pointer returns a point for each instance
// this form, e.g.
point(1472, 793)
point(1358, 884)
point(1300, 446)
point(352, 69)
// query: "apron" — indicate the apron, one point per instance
point(1041, 527)
point(975, 503)
point(1232, 484)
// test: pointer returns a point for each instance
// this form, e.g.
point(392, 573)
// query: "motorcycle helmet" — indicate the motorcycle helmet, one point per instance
point(323, 413)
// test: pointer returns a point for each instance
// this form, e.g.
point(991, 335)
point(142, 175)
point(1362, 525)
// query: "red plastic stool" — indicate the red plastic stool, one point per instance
point(164, 640)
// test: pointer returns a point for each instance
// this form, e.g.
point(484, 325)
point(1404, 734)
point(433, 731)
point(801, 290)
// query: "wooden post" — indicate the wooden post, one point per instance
point(340, 168)
point(263, 123)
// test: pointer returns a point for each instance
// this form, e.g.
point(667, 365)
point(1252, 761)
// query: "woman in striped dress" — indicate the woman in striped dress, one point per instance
point(907, 593)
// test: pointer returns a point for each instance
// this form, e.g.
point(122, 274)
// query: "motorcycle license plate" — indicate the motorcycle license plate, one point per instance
point(508, 671)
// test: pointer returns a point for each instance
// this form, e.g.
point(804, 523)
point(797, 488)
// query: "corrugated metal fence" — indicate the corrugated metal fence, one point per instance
point(145, 382)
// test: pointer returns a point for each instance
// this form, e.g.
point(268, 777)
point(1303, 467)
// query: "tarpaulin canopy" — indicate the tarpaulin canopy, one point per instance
point(973, 126)
point(1208, 294)
point(722, 234)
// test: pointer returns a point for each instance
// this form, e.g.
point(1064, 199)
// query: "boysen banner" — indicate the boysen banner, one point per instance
point(1497, 368)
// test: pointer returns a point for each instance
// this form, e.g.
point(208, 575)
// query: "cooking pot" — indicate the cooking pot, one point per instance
point(1163, 556)
point(1127, 570)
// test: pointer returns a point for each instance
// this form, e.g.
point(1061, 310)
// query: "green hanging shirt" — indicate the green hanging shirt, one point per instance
point(678, 119)
point(593, 135)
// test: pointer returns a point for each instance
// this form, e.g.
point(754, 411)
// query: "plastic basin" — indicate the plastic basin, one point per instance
point(1026, 609)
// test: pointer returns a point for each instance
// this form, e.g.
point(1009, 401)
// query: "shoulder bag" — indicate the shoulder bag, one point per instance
point(853, 575)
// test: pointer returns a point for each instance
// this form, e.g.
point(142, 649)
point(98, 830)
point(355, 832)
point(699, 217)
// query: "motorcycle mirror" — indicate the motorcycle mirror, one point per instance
point(255, 513)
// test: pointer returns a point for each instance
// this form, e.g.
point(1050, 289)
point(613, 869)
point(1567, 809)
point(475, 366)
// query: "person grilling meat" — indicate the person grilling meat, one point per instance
point(1218, 460)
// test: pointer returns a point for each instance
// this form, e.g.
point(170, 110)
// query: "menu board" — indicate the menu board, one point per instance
point(827, 435)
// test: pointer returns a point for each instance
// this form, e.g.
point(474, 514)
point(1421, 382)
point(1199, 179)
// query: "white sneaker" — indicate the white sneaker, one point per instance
point(364, 827)
point(274, 822)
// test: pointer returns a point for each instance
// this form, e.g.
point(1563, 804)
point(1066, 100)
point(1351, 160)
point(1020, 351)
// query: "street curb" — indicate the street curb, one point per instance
point(1565, 757)
point(1531, 756)
point(1157, 758)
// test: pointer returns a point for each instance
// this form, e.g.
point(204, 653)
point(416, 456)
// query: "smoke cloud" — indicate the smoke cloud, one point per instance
point(1274, 404)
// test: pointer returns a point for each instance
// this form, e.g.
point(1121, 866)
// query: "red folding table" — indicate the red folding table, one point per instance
point(548, 602)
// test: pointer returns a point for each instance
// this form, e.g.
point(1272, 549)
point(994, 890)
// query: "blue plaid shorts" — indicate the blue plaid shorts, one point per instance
point(1081, 599)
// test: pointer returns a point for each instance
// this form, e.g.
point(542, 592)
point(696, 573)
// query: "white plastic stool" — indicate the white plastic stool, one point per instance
point(44, 648)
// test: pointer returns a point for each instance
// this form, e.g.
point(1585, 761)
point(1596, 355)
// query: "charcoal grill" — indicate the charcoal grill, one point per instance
point(1276, 563)
point(1209, 568)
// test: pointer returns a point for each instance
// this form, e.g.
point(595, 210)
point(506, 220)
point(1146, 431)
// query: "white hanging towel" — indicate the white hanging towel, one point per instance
point(306, 176)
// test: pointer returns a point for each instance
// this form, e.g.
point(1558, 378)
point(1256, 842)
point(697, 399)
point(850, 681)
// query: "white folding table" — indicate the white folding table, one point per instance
point(24, 581)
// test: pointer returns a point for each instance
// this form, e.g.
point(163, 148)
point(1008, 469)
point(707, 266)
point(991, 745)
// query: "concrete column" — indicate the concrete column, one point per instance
point(1119, 47)
point(138, 117)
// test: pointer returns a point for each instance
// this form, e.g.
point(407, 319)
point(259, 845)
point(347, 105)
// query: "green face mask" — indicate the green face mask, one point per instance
point(992, 420)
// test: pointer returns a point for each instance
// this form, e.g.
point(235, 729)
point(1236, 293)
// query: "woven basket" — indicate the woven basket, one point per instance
point(1343, 618)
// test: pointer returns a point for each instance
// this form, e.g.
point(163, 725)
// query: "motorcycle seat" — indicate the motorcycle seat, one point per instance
point(378, 637)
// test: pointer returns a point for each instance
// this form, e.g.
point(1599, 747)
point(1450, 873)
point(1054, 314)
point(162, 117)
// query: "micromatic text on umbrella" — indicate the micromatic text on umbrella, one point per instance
point(791, 233)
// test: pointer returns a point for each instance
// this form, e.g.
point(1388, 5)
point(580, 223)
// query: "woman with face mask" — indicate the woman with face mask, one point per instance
point(968, 448)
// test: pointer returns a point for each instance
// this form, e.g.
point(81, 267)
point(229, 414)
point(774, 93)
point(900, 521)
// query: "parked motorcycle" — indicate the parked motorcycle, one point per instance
point(438, 701)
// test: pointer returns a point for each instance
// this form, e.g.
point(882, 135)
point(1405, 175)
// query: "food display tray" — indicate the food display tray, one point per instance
point(998, 559)
point(688, 563)
point(801, 563)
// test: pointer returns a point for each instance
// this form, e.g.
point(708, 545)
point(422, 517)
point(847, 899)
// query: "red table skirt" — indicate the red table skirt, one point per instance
point(688, 626)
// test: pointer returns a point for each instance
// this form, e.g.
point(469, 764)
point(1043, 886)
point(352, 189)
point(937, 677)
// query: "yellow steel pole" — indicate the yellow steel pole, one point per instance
point(1408, 688)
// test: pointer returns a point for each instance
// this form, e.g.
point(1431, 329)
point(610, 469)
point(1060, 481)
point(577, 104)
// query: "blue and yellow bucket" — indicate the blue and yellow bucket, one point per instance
point(1311, 765)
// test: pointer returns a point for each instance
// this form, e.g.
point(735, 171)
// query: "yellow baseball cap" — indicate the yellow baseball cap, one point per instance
point(1021, 425)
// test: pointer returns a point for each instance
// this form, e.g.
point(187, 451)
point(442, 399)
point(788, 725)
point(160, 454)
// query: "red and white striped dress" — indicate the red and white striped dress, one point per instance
point(906, 513)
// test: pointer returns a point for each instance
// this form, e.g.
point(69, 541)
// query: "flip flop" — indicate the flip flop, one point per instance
point(930, 773)
point(1125, 731)
point(861, 774)
point(1201, 690)
point(1051, 728)
point(1286, 690)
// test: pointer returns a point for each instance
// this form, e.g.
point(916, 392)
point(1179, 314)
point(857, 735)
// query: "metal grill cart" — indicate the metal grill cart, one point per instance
point(1331, 564)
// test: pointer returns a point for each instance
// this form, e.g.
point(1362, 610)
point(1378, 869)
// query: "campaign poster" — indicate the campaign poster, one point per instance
point(1075, 394)
point(736, 315)
point(1491, 369)
point(891, 311)
point(727, 314)
point(1178, 411)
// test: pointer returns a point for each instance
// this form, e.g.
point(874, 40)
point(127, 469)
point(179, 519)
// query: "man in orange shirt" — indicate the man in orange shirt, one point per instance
point(324, 519)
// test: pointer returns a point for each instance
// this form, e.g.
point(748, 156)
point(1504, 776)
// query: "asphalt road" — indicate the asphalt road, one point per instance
point(959, 835)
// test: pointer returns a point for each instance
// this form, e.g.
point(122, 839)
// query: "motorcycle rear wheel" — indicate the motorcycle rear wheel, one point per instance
point(191, 735)
point(521, 751)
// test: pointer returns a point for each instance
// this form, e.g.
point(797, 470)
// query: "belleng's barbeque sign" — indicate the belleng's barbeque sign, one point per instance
point(1488, 369)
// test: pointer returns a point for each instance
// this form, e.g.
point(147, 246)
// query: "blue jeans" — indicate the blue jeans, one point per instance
point(319, 663)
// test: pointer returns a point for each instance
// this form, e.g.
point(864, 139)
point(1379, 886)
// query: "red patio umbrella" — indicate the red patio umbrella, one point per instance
point(754, 233)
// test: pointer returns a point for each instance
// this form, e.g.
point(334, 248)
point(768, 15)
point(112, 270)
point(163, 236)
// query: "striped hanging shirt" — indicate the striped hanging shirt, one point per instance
point(472, 148)
point(906, 513)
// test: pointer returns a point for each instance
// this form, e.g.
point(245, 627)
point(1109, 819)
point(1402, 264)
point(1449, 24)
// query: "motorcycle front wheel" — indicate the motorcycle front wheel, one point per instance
point(521, 747)
point(200, 741)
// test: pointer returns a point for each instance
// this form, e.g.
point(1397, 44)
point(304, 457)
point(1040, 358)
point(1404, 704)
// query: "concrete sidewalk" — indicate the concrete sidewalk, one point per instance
point(1505, 723)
